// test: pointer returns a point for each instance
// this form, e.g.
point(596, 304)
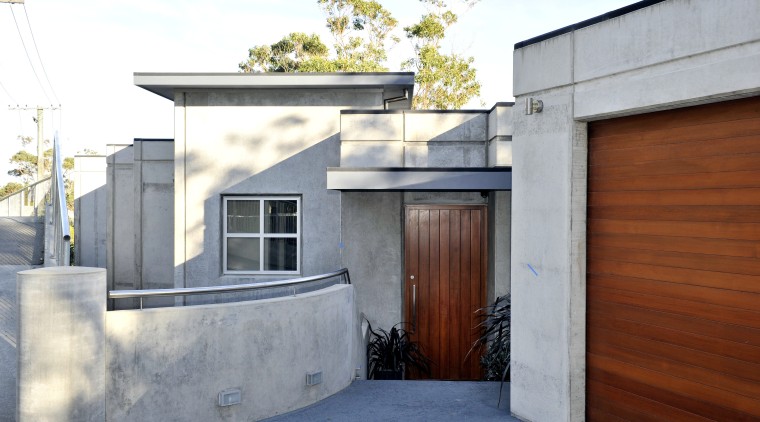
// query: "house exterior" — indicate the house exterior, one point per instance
point(616, 201)
point(634, 216)
point(276, 176)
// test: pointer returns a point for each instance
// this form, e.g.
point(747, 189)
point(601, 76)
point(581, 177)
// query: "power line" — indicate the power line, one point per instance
point(7, 93)
point(38, 55)
point(27, 55)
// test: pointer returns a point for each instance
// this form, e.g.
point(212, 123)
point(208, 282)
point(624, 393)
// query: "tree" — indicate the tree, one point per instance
point(25, 168)
point(444, 81)
point(9, 188)
point(362, 32)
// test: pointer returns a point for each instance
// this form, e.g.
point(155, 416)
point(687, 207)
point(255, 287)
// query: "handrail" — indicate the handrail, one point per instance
point(59, 218)
point(188, 291)
point(20, 191)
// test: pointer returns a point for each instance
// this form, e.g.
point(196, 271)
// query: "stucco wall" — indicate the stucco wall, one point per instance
point(671, 54)
point(171, 363)
point(257, 142)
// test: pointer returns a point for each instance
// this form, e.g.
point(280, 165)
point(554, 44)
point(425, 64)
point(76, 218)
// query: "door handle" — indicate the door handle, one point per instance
point(414, 306)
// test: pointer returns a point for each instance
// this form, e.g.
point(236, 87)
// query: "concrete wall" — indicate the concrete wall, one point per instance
point(465, 138)
point(171, 363)
point(256, 142)
point(672, 54)
point(153, 178)
point(90, 199)
point(61, 337)
point(120, 222)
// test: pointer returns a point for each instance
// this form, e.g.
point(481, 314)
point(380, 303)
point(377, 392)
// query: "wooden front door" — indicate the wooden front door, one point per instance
point(445, 272)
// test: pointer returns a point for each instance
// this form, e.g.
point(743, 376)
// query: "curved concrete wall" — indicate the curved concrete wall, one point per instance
point(171, 363)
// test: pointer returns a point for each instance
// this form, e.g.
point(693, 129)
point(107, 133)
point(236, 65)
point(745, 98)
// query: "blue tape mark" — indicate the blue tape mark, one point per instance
point(534, 271)
point(341, 245)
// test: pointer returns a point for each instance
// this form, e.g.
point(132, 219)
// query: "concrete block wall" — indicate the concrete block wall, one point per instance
point(120, 222)
point(403, 138)
point(671, 54)
point(90, 199)
point(153, 178)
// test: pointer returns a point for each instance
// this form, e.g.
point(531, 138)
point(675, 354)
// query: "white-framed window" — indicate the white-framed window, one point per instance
point(262, 235)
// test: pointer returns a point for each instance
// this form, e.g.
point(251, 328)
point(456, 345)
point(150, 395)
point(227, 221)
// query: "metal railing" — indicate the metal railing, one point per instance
point(188, 291)
point(57, 231)
point(28, 201)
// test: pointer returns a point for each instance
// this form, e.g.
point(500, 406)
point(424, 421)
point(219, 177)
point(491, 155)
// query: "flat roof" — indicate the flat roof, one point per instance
point(588, 22)
point(164, 84)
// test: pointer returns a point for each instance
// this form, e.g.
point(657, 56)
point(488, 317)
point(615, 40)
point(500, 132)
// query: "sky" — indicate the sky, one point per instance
point(88, 50)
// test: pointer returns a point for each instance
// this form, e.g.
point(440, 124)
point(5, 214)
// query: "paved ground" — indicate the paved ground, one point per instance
point(21, 240)
point(8, 340)
point(367, 401)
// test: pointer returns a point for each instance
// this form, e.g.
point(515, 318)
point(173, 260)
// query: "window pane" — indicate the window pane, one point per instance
point(280, 254)
point(243, 216)
point(243, 254)
point(280, 216)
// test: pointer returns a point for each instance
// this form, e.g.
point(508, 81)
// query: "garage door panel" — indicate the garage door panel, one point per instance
point(712, 345)
point(683, 387)
point(701, 310)
point(718, 247)
point(708, 295)
point(664, 182)
point(748, 266)
point(706, 147)
point(718, 280)
point(609, 400)
point(744, 162)
point(674, 368)
point(671, 136)
point(618, 376)
point(707, 213)
point(748, 108)
point(711, 230)
point(748, 371)
point(739, 196)
point(673, 261)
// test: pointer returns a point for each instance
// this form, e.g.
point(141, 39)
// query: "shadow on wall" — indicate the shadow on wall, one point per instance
point(170, 363)
point(301, 173)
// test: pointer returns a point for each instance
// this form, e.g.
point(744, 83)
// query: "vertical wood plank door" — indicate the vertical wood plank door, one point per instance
point(445, 272)
point(673, 274)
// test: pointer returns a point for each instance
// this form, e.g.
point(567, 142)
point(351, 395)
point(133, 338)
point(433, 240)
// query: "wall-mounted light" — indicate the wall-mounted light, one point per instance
point(533, 105)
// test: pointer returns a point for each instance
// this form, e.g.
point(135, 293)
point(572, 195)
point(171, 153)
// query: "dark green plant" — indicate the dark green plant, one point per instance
point(496, 330)
point(394, 351)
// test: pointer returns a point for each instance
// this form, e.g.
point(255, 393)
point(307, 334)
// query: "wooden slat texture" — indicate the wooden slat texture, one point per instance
point(673, 265)
point(446, 255)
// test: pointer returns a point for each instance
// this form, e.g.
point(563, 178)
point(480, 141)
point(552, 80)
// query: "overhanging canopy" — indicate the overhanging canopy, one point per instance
point(419, 179)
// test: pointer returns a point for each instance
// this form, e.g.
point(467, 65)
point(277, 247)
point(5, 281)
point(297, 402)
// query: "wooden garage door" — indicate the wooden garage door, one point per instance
point(673, 279)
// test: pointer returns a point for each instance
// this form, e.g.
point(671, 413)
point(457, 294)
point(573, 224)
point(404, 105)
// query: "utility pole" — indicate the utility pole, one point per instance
point(40, 140)
point(40, 148)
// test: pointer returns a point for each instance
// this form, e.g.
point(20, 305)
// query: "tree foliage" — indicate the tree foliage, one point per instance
point(360, 28)
point(363, 32)
point(24, 167)
point(444, 81)
point(9, 188)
